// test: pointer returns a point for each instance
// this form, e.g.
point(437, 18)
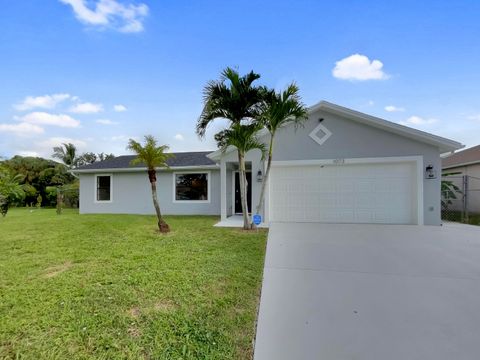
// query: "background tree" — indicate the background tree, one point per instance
point(236, 99)
point(90, 158)
point(37, 174)
point(152, 156)
point(86, 159)
point(67, 153)
point(10, 189)
point(279, 109)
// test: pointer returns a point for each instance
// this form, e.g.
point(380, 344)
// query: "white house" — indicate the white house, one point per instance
point(342, 166)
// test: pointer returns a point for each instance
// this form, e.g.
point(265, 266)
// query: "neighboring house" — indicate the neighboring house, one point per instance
point(342, 166)
point(464, 170)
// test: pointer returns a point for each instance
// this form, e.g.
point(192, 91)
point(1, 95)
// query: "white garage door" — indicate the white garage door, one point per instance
point(355, 193)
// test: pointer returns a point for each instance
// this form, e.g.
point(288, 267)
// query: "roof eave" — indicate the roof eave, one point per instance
point(460, 164)
point(142, 169)
point(443, 144)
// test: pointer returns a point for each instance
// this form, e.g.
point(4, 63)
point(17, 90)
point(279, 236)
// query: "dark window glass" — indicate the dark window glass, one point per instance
point(103, 188)
point(193, 187)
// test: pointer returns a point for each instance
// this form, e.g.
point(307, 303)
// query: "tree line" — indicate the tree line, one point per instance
point(39, 182)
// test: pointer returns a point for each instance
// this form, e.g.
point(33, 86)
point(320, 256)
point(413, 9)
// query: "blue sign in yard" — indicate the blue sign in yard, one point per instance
point(257, 219)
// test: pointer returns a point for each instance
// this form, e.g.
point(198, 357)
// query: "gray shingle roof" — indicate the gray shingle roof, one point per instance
point(179, 159)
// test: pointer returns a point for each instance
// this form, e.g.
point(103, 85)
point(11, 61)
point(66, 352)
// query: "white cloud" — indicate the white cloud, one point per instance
point(43, 118)
point(359, 67)
point(179, 137)
point(121, 138)
point(120, 108)
point(22, 129)
point(106, 122)
point(393, 108)
point(45, 147)
point(474, 117)
point(28, 153)
point(127, 18)
point(418, 121)
point(86, 108)
point(44, 102)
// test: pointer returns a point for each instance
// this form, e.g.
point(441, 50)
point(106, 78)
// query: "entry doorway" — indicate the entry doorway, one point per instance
point(236, 191)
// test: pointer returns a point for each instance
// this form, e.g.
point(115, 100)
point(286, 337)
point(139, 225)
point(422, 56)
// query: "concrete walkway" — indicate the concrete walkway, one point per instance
point(368, 292)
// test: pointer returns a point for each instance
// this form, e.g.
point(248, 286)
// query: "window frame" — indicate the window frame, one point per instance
point(95, 192)
point(175, 173)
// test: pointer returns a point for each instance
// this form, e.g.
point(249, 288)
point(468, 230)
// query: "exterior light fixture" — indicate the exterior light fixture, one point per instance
point(259, 176)
point(430, 172)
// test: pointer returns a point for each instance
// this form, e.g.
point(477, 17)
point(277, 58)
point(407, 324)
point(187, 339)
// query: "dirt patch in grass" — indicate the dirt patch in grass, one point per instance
point(134, 312)
point(56, 270)
point(135, 332)
point(164, 306)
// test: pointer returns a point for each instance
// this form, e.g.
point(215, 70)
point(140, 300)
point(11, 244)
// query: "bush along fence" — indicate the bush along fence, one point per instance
point(461, 198)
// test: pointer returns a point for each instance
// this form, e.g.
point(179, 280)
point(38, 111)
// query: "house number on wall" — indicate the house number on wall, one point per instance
point(339, 161)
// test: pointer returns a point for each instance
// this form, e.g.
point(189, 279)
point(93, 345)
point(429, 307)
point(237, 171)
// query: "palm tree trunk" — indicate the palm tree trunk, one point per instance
point(162, 225)
point(243, 191)
point(265, 178)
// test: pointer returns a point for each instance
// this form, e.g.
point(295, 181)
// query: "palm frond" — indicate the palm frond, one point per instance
point(242, 137)
point(151, 154)
point(232, 97)
point(279, 109)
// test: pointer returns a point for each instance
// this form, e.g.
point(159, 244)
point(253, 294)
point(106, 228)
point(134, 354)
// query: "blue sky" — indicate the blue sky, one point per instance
point(96, 73)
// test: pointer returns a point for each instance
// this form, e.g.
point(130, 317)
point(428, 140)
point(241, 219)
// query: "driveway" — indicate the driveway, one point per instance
point(368, 292)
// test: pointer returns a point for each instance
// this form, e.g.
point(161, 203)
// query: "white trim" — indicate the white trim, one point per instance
point(143, 169)
point(418, 160)
point(233, 190)
point(95, 200)
point(174, 177)
point(313, 134)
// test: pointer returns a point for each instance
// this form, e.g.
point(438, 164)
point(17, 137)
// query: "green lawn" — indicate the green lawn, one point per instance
point(450, 215)
point(111, 287)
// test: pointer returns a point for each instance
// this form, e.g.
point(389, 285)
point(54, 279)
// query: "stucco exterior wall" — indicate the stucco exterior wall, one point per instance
point(132, 195)
point(350, 139)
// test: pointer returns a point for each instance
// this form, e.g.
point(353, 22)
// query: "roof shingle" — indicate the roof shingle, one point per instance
point(180, 159)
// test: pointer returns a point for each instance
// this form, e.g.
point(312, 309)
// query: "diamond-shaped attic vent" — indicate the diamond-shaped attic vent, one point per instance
point(320, 134)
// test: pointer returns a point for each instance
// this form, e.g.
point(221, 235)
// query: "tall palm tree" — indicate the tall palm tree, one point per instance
point(67, 153)
point(235, 98)
point(243, 137)
point(277, 110)
point(152, 155)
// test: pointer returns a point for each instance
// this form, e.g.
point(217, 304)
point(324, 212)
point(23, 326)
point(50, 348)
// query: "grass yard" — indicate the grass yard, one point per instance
point(456, 216)
point(110, 287)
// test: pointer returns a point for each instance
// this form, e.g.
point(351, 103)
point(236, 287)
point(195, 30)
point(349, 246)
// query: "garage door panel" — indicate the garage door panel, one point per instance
point(361, 193)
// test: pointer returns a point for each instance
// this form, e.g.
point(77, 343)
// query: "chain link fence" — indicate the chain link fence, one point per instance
point(461, 198)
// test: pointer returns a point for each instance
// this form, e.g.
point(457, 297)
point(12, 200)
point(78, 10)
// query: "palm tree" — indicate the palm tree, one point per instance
point(235, 98)
point(152, 155)
point(67, 153)
point(243, 137)
point(278, 110)
point(10, 189)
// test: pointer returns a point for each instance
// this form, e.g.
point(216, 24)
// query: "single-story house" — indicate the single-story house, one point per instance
point(342, 166)
point(463, 168)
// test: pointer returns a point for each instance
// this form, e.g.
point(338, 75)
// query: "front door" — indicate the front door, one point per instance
point(238, 201)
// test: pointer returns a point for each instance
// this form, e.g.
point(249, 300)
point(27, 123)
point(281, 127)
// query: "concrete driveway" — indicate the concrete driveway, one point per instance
point(368, 292)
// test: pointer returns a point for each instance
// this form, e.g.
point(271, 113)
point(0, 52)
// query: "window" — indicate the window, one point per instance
point(191, 187)
point(104, 188)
